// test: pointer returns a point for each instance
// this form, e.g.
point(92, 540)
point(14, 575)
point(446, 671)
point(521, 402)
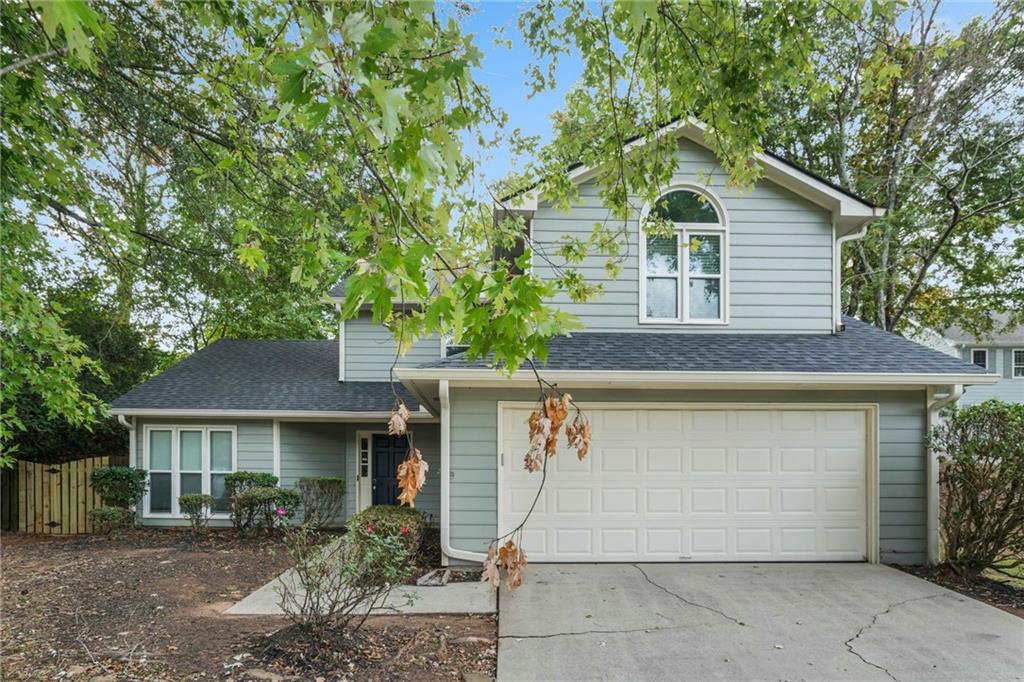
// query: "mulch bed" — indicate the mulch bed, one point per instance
point(1002, 595)
point(149, 605)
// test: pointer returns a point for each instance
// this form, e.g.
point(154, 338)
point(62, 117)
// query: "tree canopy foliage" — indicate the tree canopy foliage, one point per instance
point(220, 164)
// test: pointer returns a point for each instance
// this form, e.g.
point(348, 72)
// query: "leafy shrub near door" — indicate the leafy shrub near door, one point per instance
point(322, 499)
point(981, 451)
point(386, 521)
point(263, 507)
point(120, 486)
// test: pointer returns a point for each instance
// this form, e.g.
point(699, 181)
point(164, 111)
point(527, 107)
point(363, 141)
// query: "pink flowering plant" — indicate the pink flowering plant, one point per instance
point(404, 524)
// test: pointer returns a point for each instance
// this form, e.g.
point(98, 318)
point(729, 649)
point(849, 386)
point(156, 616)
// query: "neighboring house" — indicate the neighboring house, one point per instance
point(1000, 353)
point(736, 415)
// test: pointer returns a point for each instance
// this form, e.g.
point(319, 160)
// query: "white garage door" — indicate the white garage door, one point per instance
point(695, 484)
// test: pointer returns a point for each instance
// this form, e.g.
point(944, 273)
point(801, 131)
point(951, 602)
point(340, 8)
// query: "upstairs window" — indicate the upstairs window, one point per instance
point(979, 356)
point(1018, 363)
point(683, 277)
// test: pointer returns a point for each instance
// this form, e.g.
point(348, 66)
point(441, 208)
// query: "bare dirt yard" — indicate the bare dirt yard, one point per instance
point(148, 605)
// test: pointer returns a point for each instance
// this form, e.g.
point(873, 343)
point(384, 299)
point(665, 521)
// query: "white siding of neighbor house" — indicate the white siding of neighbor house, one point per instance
point(1008, 389)
point(902, 422)
point(370, 350)
point(780, 257)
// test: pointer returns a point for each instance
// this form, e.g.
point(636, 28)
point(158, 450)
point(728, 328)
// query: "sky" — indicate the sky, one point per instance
point(502, 69)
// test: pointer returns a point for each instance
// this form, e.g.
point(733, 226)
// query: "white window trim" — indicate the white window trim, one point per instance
point(684, 233)
point(1014, 365)
point(988, 364)
point(175, 470)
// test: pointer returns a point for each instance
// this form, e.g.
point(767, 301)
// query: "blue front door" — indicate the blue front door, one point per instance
point(388, 453)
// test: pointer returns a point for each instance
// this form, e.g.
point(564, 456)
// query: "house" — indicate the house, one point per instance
point(1000, 353)
point(737, 416)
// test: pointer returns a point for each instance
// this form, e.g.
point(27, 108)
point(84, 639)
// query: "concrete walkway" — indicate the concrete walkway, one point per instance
point(749, 622)
point(471, 597)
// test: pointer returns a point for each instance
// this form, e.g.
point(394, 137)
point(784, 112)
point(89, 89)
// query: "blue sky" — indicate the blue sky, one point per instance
point(502, 69)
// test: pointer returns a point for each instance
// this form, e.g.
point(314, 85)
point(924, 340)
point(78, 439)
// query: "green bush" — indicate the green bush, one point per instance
point(197, 507)
point(120, 486)
point(246, 513)
point(981, 450)
point(322, 499)
point(263, 507)
point(108, 520)
point(243, 481)
point(403, 523)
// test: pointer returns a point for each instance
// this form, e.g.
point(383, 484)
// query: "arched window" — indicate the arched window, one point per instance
point(683, 275)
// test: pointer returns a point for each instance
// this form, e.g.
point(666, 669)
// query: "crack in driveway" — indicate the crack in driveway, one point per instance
point(685, 600)
point(595, 632)
point(874, 619)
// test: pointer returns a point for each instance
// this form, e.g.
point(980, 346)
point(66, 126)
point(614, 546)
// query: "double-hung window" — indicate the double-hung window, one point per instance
point(187, 459)
point(979, 357)
point(684, 278)
point(1018, 363)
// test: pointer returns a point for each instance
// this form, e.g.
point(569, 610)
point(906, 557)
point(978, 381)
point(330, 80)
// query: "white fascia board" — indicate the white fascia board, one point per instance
point(420, 415)
point(686, 379)
point(849, 211)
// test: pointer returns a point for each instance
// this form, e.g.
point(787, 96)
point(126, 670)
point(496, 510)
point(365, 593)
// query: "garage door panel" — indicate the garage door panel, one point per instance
point(696, 484)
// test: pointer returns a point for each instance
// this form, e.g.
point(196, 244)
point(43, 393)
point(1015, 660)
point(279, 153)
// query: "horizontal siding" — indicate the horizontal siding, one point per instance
point(902, 462)
point(312, 449)
point(780, 249)
point(370, 350)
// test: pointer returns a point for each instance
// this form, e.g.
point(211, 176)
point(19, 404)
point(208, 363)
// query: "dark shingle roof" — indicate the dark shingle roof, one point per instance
point(234, 374)
point(1001, 333)
point(862, 348)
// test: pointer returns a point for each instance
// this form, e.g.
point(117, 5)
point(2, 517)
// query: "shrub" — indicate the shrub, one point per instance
point(336, 585)
point(322, 499)
point(404, 523)
point(120, 486)
point(263, 506)
point(108, 520)
point(197, 507)
point(237, 486)
point(981, 450)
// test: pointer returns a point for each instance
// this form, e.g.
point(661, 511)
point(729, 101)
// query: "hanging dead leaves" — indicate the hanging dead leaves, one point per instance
point(546, 422)
point(412, 473)
point(508, 558)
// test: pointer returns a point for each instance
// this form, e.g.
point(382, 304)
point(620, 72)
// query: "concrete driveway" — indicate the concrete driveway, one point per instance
point(749, 622)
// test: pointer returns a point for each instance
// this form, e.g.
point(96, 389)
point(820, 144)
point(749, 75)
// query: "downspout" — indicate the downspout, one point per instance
point(131, 437)
point(447, 551)
point(837, 270)
point(935, 405)
point(131, 449)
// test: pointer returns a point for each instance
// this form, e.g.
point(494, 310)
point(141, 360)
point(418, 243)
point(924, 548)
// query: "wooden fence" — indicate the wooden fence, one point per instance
point(55, 498)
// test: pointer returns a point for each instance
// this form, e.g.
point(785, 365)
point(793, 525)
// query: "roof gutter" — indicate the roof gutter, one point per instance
point(671, 379)
point(419, 415)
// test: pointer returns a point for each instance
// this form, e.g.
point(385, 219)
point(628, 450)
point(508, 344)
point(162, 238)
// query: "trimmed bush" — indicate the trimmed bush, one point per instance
point(263, 507)
point(243, 481)
point(981, 450)
point(322, 499)
point(388, 521)
point(197, 507)
point(108, 520)
point(120, 486)
point(246, 512)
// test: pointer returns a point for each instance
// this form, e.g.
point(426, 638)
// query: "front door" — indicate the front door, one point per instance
point(388, 453)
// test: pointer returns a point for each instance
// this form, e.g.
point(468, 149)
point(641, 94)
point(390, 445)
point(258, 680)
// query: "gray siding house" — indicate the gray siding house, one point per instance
point(737, 416)
point(1001, 353)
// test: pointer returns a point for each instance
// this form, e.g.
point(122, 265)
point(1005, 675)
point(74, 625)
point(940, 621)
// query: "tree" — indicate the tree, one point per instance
point(126, 357)
point(928, 124)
